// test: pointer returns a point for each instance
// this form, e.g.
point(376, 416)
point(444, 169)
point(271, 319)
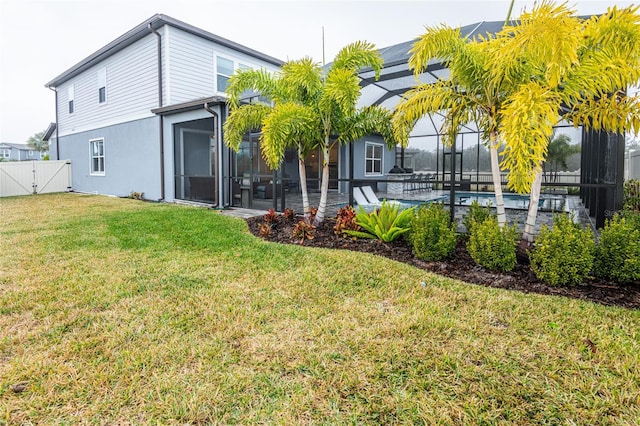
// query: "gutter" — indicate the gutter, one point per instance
point(57, 125)
point(161, 125)
point(216, 119)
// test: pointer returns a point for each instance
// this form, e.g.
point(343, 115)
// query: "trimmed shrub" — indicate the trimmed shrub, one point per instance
point(564, 254)
point(491, 246)
point(477, 214)
point(432, 235)
point(387, 223)
point(618, 251)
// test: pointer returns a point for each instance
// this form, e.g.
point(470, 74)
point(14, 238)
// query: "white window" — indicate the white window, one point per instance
point(42, 154)
point(97, 156)
point(373, 158)
point(224, 70)
point(6, 153)
point(102, 85)
point(70, 98)
point(30, 153)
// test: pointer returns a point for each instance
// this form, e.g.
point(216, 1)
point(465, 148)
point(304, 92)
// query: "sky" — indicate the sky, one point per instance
point(40, 39)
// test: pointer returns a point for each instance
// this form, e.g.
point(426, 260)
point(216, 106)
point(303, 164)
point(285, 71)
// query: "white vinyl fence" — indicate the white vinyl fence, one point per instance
point(34, 177)
point(632, 166)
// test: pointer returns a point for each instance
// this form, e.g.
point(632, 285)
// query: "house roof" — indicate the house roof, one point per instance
point(20, 146)
point(396, 77)
point(189, 106)
point(142, 30)
point(49, 131)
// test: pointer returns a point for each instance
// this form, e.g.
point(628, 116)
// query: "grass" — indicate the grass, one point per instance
point(121, 312)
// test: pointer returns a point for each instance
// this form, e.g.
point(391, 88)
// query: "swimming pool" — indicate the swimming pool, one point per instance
point(511, 201)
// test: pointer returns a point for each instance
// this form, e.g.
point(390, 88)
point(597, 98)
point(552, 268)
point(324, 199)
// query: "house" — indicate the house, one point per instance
point(19, 152)
point(145, 112)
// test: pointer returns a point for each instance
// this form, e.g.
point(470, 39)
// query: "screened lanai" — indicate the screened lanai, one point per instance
point(427, 170)
point(595, 172)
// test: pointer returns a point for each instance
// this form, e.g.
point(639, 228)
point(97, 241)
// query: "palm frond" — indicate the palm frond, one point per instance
point(357, 55)
point(341, 90)
point(369, 120)
point(526, 124)
point(613, 113)
point(261, 81)
point(288, 124)
point(440, 42)
point(301, 81)
point(442, 96)
point(546, 39)
point(242, 120)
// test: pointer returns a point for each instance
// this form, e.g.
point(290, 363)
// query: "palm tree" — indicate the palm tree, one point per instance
point(38, 143)
point(287, 113)
point(467, 95)
point(517, 84)
point(576, 70)
point(558, 152)
point(310, 110)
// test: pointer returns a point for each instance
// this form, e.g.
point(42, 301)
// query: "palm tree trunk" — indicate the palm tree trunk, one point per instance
point(497, 180)
point(302, 172)
point(530, 224)
point(324, 191)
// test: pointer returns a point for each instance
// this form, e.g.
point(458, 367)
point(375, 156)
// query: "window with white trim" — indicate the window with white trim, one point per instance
point(6, 153)
point(374, 153)
point(30, 153)
point(97, 156)
point(70, 98)
point(102, 85)
point(224, 71)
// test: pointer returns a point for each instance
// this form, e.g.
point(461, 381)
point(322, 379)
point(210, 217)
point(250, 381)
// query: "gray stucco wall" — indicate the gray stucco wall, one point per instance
point(388, 161)
point(174, 122)
point(132, 159)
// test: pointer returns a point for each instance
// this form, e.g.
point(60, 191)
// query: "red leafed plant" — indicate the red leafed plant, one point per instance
point(345, 221)
point(265, 230)
point(304, 231)
point(289, 214)
point(271, 218)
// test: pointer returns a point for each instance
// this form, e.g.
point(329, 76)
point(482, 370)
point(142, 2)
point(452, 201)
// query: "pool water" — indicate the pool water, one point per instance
point(511, 201)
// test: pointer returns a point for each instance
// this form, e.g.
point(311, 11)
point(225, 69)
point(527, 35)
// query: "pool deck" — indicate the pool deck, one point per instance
point(571, 204)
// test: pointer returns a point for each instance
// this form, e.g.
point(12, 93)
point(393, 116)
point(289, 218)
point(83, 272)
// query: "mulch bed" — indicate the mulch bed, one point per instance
point(460, 266)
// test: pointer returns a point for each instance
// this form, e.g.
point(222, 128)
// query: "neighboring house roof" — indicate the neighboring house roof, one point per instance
point(20, 146)
point(49, 131)
point(142, 30)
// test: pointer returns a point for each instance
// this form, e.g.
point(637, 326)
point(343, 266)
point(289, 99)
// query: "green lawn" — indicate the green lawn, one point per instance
point(122, 312)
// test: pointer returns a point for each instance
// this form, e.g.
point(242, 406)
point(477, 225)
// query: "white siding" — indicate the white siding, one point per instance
point(191, 62)
point(131, 75)
point(190, 67)
point(132, 88)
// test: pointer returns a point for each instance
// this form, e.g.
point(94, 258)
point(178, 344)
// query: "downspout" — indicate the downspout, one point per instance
point(57, 125)
point(160, 104)
point(216, 117)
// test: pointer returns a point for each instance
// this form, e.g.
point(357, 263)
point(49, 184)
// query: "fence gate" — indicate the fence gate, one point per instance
point(34, 177)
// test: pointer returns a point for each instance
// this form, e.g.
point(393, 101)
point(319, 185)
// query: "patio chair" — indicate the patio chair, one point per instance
point(362, 201)
point(373, 198)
